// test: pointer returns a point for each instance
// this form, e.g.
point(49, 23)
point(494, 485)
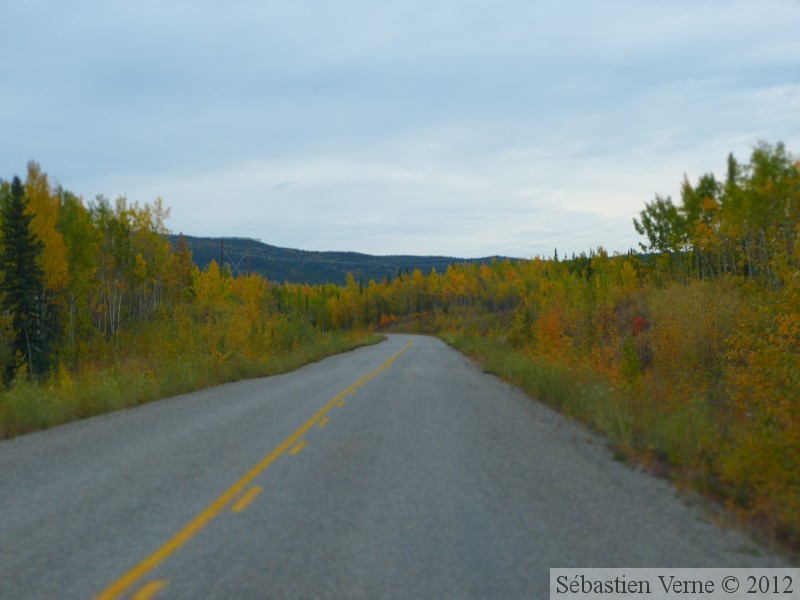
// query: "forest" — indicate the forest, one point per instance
point(303, 266)
point(684, 353)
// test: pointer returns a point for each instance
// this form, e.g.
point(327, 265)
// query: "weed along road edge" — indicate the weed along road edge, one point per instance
point(397, 470)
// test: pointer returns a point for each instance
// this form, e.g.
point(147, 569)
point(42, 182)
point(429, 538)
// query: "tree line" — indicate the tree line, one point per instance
point(736, 226)
point(686, 352)
point(74, 274)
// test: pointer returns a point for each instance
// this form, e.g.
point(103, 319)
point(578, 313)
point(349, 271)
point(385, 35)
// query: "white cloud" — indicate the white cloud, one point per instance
point(456, 127)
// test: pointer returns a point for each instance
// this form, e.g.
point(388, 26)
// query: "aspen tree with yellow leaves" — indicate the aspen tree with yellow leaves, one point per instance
point(685, 355)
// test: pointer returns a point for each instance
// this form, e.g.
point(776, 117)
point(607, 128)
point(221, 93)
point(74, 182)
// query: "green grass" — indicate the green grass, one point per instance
point(636, 428)
point(578, 395)
point(681, 435)
point(29, 406)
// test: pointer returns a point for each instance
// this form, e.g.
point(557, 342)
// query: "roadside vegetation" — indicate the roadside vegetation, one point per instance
point(685, 353)
point(99, 312)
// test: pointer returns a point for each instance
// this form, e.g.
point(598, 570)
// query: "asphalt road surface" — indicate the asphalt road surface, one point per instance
point(394, 471)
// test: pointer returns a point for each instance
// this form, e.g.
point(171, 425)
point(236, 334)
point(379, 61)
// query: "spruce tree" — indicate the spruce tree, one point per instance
point(22, 282)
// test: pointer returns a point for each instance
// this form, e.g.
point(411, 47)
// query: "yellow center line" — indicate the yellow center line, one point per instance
point(298, 448)
point(150, 590)
point(324, 422)
point(341, 404)
point(205, 517)
point(245, 500)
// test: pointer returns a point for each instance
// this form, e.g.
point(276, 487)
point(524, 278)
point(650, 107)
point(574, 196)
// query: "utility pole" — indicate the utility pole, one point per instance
point(221, 252)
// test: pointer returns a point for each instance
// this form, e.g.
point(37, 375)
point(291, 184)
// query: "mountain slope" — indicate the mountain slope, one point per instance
point(304, 266)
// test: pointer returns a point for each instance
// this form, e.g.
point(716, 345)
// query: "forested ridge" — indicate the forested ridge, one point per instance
point(243, 256)
point(684, 352)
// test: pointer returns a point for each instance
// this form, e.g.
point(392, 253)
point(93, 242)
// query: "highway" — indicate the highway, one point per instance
point(399, 470)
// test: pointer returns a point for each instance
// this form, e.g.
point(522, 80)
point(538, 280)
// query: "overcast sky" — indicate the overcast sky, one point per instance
point(418, 127)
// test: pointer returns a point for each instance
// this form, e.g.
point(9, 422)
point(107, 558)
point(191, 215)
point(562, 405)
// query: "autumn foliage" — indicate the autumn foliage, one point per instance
point(685, 353)
point(128, 318)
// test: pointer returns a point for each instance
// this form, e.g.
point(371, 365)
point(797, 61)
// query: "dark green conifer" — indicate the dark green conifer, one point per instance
point(22, 283)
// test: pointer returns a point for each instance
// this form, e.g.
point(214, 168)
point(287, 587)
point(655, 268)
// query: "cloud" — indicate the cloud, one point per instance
point(455, 127)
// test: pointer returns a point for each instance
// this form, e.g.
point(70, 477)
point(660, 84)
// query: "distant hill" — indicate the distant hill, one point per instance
point(304, 266)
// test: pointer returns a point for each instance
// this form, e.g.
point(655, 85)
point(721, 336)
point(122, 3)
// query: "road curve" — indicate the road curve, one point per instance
point(394, 471)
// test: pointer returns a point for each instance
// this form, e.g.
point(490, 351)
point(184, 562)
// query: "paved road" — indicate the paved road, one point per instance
point(395, 471)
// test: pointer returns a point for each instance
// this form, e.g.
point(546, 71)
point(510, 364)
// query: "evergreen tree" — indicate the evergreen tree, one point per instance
point(22, 282)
